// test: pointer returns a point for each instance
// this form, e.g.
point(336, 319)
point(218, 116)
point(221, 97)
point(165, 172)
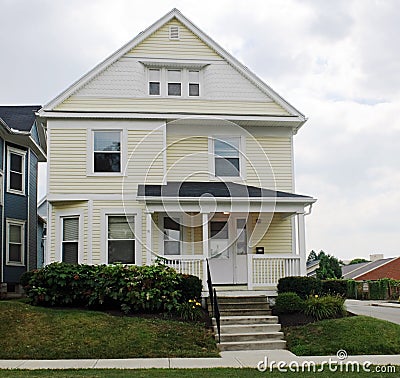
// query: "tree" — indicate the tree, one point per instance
point(312, 256)
point(329, 267)
point(357, 261)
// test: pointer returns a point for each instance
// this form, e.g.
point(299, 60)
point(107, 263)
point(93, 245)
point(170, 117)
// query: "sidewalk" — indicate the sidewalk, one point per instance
point(243, 359)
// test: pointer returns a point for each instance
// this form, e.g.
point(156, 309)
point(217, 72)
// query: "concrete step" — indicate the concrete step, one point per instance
point(250, 319)
point(243, 311)
point(242, 337)
point(253, 345)
point(241, 300)
point(248, 328)
point(255, 305)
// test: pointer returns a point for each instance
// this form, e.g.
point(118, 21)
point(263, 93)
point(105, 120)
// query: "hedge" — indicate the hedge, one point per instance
point(155, 288)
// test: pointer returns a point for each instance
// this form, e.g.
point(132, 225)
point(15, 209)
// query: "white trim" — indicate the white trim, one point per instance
point(49, 236)
point(89, 257)
point(90, 151)
point(59, 215)
point(22, 153)
point(302, 243)
point(183, 233)
point(165, 166)
point(129, 211)
point(1, 190)
point(21, 223)
point(67, 197)
point(149, 236)
point(202, 36)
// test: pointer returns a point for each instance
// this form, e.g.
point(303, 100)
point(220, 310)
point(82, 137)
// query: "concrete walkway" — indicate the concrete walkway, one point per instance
point(243, 359)
point(376, 309)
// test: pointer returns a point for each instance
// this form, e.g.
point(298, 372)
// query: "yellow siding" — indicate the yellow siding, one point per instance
point(68, 163)
point(62, 207)
point(168, 105)
point(278, 237)
point(158, 45)
point(278, 152)
point(187, 158)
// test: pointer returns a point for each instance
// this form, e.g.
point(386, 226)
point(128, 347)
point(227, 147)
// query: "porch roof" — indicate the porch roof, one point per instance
point(218, 189)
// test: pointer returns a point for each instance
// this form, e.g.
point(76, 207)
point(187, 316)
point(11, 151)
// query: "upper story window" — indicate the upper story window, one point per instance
point(16, 171)
point(174, 82)
point(107, 151)
point(194, 83)
point(227, 156)
point(154, 82)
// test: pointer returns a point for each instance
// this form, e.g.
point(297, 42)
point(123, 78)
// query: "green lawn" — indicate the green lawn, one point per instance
point(356, 335)
point(28, 332)
point(184, 373)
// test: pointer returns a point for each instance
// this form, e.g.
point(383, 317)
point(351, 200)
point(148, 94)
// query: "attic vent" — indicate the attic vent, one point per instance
point(174, 32)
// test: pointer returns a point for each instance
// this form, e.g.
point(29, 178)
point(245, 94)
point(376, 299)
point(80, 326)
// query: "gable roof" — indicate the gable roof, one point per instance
point(174, 13)
point(355, 270)
point(17, 117)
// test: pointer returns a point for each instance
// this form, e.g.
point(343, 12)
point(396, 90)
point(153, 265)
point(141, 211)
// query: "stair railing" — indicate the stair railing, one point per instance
point(212, 293)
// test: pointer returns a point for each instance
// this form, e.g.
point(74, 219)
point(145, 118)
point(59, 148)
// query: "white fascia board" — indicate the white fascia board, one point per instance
point(170, 116)
point(157, 199)
point(145, 34)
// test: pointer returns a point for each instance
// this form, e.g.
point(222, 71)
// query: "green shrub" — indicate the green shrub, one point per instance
point(154, 288)
point(351, 289)
point(190, 287)
point(189, 310)
point(334, 287)
point(327, 307)
point(288, 303)
point(302, 286)
point(378, 289)
point(26, 277)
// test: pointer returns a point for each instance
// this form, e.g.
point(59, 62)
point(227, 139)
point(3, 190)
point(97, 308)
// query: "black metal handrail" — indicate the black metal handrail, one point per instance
point(214, 302)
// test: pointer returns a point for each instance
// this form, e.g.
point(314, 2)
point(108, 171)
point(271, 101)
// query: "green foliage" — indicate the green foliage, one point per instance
point(351, 290)
point(334, 287)
point(357, 261)
point(329, 267)
point(302, 286)
point(190, 310)
point(155, 288)
point(327, 307)
point(288, 303)
point(190, 287)
point(26, 277)
point(378, 289)
point(312, 256)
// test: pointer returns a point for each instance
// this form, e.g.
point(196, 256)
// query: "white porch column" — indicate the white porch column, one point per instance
point(205, 234)
point(301, 234)
point(149, 237)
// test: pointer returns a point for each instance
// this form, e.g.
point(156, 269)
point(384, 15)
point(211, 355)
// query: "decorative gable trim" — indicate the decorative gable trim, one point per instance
point(174, 13)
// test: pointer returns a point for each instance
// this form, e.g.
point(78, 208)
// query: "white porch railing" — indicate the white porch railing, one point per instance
point(186, 264)
point(266, 270)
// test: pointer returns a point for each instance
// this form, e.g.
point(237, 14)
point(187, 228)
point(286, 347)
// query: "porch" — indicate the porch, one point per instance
point(250, 238)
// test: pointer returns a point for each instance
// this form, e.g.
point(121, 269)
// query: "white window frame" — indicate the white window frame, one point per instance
point(242, 161)
point(128, 211)
point(183, 233)
point(59, 233)
point(184, 81)
point(20, 223)
point(1, 188)
point(22, 153)
point(90, 151)
point(134, 235)
point(190, 82)
point(69, 241)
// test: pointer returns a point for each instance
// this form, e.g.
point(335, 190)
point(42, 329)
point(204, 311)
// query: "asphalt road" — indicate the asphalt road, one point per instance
point(392, 314)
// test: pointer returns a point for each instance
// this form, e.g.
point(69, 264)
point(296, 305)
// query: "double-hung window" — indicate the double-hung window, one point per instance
point(16, 171)
point(121, 239)
point(15, 242)
point(174, 82)
point(194, 83)
point(172, 236)
point(107, 151)
point(227, 156)
point(70, 239)
point(154, 82)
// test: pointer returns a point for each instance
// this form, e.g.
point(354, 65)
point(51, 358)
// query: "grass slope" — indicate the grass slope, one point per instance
point(28, 332)
point(356, 335)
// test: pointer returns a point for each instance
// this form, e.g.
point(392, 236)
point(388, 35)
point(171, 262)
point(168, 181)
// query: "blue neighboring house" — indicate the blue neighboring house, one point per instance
point(22, 146)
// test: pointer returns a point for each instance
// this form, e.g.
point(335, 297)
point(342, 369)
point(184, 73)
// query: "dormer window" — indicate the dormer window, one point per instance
point(174, 84)
point(154, 82)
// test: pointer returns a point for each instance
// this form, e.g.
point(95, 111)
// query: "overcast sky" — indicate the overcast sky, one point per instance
point(336, 61)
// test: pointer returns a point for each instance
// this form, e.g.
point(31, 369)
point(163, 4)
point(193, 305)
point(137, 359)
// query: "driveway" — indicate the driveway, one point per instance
point(392, 314)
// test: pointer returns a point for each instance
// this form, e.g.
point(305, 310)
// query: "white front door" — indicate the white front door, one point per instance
point(228, 250)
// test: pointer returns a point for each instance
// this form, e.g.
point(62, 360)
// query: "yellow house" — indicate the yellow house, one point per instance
point(172, 148)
